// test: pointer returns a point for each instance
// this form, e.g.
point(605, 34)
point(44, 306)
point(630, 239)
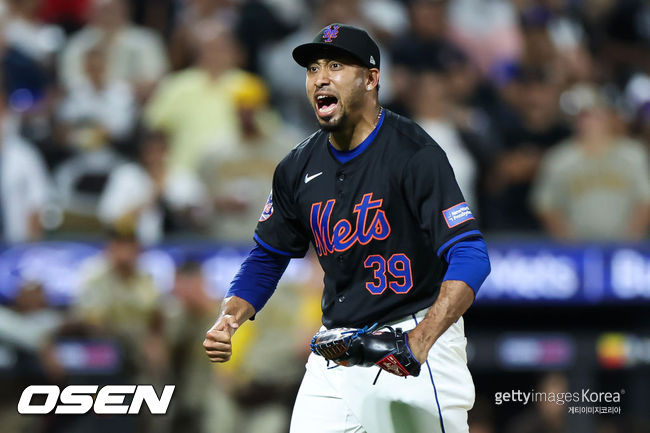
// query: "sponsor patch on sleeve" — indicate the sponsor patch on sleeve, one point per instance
point(457, 214)
point(268, 208)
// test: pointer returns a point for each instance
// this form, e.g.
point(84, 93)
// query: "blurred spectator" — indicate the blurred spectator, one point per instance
point(536, 125)
point(27, 326)
point(556, 39)
point(80, 182)
point(69, 14)
point(188, 314)
point(254, 22)
point(555, 43)
point(388, 18)
point(118, 300)
point(240, 175)
point(134, 54)
point(547, 416)
point(157, 200)
point(24, 183)
point(28, 85)
point(432, 108)
point(101, 105)
point(157, 15)
point(540, 52)
point(269, 26)
point(182, 46)
point(29, 322)
point(195, 106)
point(476, 106)
point(487, 30)
point(24, 80)
point(25, 31)
point(626, 38)
point(427, 35)
point(596, 185)
point(97, 114)
point(425, 42)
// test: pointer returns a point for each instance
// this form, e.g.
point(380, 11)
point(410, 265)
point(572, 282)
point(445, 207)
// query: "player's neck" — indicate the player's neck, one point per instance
point(348, 138)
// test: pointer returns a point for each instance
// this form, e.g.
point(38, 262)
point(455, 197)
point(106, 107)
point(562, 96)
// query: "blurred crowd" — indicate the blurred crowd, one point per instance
point(171, 115)
point(146, 121)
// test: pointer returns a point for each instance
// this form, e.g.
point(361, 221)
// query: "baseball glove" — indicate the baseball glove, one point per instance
point(387, 348)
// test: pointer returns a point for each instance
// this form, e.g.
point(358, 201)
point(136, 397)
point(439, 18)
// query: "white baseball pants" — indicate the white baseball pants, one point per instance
point(344, 399)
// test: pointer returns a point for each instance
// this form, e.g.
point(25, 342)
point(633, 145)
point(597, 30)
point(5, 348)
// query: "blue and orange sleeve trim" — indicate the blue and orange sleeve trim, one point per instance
point(275, 250)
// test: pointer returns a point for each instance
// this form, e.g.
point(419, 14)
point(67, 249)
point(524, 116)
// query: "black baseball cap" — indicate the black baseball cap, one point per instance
point(339, 38)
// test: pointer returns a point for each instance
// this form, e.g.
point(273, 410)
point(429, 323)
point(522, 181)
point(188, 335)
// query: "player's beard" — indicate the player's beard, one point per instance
point(333, 125)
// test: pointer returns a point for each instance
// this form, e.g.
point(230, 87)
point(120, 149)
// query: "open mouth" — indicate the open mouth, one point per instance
point(326, 105)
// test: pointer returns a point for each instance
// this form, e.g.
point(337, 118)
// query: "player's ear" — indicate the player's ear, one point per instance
point(372, 79)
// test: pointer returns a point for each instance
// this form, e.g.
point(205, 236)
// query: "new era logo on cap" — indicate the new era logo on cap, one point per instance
point(372, 60)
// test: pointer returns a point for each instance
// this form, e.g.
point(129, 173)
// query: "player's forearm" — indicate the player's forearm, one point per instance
point(258, 277)
point(454, 299)
point(240, 309)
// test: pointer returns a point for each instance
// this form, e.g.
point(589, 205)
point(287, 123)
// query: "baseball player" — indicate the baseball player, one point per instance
point(400, 248)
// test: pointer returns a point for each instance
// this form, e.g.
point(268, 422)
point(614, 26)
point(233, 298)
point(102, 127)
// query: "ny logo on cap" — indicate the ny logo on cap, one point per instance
point(330, 33)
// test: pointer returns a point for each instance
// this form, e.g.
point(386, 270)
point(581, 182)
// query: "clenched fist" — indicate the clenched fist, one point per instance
point(217, 340)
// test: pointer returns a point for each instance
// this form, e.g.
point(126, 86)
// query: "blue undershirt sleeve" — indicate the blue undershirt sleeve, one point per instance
point(468, 262)
point(258, 277)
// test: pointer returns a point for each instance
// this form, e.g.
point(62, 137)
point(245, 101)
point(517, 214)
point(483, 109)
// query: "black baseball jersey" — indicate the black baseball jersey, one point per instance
point(380, 222)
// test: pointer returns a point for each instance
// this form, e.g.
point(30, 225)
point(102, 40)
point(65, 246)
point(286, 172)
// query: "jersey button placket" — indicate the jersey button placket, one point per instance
point(340, 177)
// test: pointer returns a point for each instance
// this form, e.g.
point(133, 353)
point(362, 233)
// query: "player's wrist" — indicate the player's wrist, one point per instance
point(419, 344)
point(239, 309)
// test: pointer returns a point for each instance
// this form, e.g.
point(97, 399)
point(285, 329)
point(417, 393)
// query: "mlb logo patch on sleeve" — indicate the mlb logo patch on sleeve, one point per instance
point(268, 208)
point(457, 214)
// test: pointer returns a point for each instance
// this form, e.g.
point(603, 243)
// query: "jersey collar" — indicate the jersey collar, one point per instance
point(344, 156)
